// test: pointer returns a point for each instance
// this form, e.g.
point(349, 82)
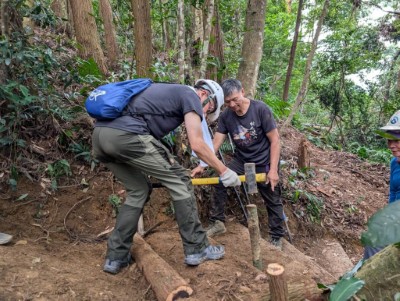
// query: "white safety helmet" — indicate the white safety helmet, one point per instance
point(216, 92)
point(391, 130)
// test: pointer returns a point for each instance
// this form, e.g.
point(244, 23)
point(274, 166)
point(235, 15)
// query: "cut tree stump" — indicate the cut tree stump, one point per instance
point(303, 154)
point(166, 283)
point(277, 283)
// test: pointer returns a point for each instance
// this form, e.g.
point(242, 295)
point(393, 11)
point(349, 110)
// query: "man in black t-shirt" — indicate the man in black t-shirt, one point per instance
point(129, 146)
point(253, 130)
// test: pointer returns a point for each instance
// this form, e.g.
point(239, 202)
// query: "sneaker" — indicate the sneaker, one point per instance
point(5, 238)
point(115, 266)
point(276, 242)
point(216, 228)
point(209, 253)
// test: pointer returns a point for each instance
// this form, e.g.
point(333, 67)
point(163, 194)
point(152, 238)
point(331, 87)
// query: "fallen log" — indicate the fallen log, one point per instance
point(166, 283)
point(381, 275)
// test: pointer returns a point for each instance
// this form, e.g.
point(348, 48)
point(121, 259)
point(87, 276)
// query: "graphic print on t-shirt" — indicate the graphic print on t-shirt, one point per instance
point(244, 136)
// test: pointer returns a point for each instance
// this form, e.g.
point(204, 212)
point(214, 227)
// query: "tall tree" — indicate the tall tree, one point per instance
point(216, 48)
point(143, 37)
point(164, 26)
point(304, 85)
point(109, 33)
point(292, 52)
point(60, 9)
point(209, 9)
point(181, 41)
point(86, 32)
point(253, 40)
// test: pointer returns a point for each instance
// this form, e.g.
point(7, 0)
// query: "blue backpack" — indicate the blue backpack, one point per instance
point(108, 101)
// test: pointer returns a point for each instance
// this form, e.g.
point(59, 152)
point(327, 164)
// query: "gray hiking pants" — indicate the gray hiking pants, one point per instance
point(131, 158)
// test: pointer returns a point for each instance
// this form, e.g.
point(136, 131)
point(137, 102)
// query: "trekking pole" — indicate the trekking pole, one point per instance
point(237, 192)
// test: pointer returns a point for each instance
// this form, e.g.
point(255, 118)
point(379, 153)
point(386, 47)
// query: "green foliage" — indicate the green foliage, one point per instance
point(115, 202)
point(383, 227)
point(345, 289)
point(56, 170)
point(314, 205)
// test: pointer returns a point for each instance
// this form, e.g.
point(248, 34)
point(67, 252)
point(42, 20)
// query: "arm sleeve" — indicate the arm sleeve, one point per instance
point(267, 118)
point(392, 192)
point(207, 139)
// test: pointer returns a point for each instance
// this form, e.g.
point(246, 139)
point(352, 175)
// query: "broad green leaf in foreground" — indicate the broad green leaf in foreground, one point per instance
point(345, 289)
point(383, 227)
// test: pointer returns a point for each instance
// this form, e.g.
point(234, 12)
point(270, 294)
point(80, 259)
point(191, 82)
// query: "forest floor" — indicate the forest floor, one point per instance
point(59, 237)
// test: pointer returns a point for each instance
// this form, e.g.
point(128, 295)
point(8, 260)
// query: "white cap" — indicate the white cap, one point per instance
point(216, 91)
point(393, 123)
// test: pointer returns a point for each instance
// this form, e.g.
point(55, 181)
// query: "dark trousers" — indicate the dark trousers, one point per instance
point(272, 200)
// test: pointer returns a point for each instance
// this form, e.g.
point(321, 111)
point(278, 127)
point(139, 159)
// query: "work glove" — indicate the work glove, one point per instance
point(230, 178)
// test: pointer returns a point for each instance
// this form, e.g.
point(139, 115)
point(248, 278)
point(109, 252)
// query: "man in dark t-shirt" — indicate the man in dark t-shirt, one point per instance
point(253, 130)
point(129, 146)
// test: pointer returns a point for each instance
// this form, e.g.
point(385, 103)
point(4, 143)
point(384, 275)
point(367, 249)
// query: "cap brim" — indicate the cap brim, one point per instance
point(386, 135)
point(214, 115)
point(390, 128)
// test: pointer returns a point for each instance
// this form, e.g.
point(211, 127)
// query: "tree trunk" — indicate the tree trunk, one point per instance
point(206, 41)
point(216, 48)
point(166, 283)
point(381, 275)
point(289, 6)
point(252, 45)
point(143, 37)
point(292, 53)
point(60, 9)
point(109, 33)
point(86, 32)
point(197, 38)
point(164, 26)
point(304, 85)
point(181, 41)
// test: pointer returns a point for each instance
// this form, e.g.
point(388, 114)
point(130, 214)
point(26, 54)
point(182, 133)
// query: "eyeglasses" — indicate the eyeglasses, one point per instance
point(210, 99)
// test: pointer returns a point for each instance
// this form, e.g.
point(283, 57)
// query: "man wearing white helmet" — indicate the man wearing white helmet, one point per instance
point(130, 147)
point(391, 132)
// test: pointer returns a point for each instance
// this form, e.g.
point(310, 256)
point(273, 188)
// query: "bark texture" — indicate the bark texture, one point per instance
point(166, 283)
point(181, 41)
point(254, 231)
point(381, 275)
point(143, 37)
point(277, 283)
point(206, 41)
point(86, 32)
point(252, 45)
point(216, 48)
point(109, 33)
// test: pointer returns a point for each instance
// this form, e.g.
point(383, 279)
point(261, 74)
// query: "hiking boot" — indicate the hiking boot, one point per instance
point(115, 266)
point(209, 253)
point(5, 238)
point(276, 242)
point(216, 228)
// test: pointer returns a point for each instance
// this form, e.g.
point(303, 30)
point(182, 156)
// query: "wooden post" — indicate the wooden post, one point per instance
point(254, 231)
point(166, 283)
point(277, 283)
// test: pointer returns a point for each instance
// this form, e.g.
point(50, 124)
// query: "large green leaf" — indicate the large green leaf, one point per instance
point(383, 227)
point(345, 289)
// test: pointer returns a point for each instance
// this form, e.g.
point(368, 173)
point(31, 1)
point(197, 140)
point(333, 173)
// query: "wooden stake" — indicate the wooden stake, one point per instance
point(254, 231)
point(166, 283)
point(277, 283)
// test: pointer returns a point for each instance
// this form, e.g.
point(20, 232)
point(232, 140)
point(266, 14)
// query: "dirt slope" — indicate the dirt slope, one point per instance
point(57, 254)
